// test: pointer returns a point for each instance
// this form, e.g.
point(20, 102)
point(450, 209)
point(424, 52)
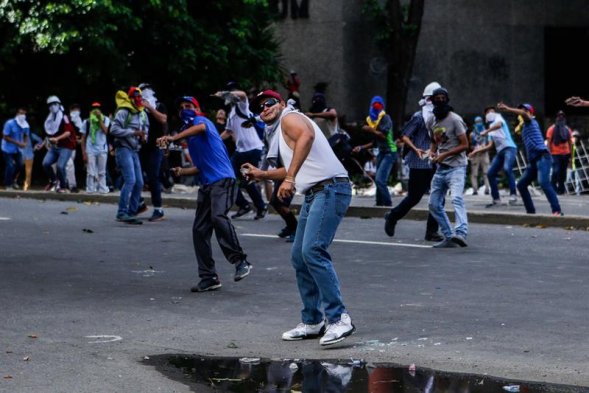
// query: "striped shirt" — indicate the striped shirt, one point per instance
point(415, 130)
point(533, 140)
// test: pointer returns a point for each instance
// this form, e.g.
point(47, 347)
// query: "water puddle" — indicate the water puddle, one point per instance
point(251, 375)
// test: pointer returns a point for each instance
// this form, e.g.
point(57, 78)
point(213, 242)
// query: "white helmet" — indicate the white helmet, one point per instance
point(53, 100)
point(429, 89)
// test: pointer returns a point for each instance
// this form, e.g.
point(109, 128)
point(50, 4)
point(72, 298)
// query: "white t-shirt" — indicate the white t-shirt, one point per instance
point(321, 163)
point(101, 145)
point(246, 138)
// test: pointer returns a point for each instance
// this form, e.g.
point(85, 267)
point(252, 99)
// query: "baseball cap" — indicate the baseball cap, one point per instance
point(96, 104)
point(527, 107)
point(429, 89)
point(53, 100)
point(190, 99)
point(265, 94)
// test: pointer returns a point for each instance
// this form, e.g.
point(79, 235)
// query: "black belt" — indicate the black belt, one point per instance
point(317, 187)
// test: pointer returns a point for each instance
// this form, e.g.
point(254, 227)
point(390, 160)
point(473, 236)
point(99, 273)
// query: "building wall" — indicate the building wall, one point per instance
point(482, 51)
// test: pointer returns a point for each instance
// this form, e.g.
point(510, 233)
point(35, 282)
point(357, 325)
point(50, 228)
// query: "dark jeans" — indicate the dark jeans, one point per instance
point(419, 183)
point(238, 159)
point(538, 169)
point(385, 162)
point(13, 162)
point(154, 162)
point(213, 203)
point(61, 156)
point(502, 160)
point(560, 162)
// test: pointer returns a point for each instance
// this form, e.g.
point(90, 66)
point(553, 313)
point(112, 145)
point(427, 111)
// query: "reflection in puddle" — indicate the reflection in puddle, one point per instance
point(249, 375)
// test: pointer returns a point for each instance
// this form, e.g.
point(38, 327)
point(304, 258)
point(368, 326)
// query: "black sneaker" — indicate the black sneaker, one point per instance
point(242, 270)
point(460, 240)
point(206, 284)
point(74, 190)
point(434, 237)
point(284, 232)
point(446, 243)
point(261, 213)
point(389, 225)
point(157, 215)
point(242, 211)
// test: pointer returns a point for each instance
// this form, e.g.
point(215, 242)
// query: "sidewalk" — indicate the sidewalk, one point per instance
point(575, 208)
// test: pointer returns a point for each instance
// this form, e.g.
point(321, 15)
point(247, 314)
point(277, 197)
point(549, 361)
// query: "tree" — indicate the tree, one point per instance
point(397, 33)
point(84, 50)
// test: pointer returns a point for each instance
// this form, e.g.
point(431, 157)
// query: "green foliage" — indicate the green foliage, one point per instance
point(85, 50)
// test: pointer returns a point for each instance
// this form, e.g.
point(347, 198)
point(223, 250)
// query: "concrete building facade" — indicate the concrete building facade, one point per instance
point(483, 52)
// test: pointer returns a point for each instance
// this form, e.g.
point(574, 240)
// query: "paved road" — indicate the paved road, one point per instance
point(513, 304)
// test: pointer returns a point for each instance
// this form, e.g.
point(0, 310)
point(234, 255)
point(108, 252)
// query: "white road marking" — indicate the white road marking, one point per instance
point(105, 339)
point(350, 241)
point(4, 218)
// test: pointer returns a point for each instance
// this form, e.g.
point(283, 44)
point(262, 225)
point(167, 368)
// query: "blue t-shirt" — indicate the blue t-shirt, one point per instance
point(14, 131)
point(209, 154)
point(533, 140)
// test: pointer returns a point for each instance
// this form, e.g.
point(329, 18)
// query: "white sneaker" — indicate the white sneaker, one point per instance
point(336, 332)
point(304, 331)
point(513, 200)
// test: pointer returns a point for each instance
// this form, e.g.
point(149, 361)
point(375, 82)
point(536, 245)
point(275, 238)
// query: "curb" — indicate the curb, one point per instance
point(420, 214)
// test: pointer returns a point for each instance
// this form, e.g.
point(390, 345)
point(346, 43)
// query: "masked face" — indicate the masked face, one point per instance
point(490, 117)
point(441, 106)
point(54, 108)
point(187, 116)
point(75, 114)
point(21, 117)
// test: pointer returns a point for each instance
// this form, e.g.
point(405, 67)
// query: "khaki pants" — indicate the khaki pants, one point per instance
point(480, 160)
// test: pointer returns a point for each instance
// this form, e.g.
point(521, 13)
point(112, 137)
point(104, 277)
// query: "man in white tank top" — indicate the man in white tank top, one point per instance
point(312, 169)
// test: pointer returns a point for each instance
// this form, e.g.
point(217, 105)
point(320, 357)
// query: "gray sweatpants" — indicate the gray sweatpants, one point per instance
point(213, 203)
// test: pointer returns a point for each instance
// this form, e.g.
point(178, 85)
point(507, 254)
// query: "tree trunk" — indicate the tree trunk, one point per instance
point(401, 56)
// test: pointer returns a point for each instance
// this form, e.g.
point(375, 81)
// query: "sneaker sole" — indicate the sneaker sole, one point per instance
point(307, 337)
point(342, 338)
point(241, 277)
point(156, 219)
point(211, 288)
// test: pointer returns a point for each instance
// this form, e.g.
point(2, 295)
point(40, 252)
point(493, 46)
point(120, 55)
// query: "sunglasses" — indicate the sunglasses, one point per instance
point(269, 103)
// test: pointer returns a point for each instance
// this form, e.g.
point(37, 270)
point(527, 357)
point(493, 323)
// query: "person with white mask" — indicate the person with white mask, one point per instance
point(70, 169)
point(417, 142)
point(61, 140)
point(14, 138)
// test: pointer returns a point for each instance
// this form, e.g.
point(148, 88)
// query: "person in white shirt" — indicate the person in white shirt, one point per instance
point(312, 169)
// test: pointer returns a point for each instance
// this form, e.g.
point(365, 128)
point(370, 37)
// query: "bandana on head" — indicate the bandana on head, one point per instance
point(136, 98)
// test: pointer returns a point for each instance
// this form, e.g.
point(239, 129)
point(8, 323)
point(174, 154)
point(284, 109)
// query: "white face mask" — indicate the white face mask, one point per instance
point(20, 118)
point(490, 117)
point(75, 114)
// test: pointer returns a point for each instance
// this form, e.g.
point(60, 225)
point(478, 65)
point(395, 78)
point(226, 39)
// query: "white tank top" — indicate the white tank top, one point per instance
point(321, 163)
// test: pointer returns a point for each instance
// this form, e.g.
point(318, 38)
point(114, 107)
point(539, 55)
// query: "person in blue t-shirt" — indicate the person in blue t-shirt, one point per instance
point(216, 195)
point(539, 159)
point(14, 138)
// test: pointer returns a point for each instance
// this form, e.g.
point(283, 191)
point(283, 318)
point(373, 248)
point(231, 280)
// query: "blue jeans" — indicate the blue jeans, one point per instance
point(317, 280)
point(449, 178)
point(13, 162)
point(538, 169)
point(61, 155)
point(384, 165)
point(130, 167)
point(503, 160)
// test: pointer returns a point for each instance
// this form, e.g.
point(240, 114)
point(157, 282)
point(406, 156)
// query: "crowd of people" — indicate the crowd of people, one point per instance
point(264, 144)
